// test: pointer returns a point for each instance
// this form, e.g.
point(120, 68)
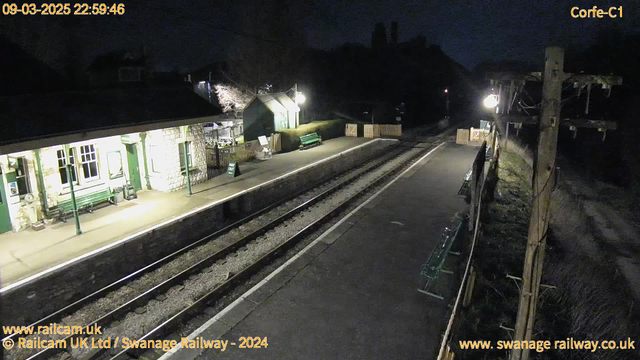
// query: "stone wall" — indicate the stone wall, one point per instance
point(33, 300)
point(164, 152)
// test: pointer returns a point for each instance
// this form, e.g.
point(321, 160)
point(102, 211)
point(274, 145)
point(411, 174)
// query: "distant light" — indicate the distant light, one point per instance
point(201, 82)
point(446, 91)
point(491, 101)
point(300, 98)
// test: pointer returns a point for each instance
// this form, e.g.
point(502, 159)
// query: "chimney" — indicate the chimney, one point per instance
point(394, 32)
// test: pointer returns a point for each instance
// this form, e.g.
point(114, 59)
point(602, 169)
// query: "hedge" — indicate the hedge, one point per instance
point(327, 129)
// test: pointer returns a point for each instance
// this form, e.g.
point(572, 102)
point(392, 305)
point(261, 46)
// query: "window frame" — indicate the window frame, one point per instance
point(130, 70)
point(21, 161)
point(92, 157)
point(74, 166)
point(119, 174)
point(153, 152)
point(181, 149)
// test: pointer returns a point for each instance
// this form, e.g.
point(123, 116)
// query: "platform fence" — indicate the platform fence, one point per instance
point(476, 207)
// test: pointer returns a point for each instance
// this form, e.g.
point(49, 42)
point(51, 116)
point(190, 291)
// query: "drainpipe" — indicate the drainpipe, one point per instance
point(73, 195)
point(43, 191)
point(143, 137)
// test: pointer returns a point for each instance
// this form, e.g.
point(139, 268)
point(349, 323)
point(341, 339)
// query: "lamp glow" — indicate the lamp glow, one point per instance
point(300, 98)
point(491, 101)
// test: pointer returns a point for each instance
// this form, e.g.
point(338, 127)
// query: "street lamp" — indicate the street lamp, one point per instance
point(491, 101)
point(300, 98)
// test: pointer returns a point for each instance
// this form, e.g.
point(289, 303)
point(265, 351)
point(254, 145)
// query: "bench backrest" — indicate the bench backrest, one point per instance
point(82, 200)
point(309, 137)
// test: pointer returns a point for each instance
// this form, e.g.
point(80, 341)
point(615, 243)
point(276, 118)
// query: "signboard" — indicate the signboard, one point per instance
point(233, 169)
point(13, 188)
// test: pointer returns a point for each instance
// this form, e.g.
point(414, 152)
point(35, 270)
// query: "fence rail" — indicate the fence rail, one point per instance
point(478, 179)
point(220, 157)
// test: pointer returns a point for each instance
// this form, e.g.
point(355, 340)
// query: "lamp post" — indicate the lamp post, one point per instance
point(446, 95)
point(73, 195)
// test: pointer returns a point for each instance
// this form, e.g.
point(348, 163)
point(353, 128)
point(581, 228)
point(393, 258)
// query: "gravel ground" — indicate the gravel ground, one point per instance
point(141, 321)
point(218, 272)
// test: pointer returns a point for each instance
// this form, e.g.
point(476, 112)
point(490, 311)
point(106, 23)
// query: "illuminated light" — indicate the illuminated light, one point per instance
point(491, 101)
point(446, 91)
point(300, 98)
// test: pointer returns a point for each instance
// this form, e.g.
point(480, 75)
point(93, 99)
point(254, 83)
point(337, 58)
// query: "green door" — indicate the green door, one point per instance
point(5, 220)
point(134, 168)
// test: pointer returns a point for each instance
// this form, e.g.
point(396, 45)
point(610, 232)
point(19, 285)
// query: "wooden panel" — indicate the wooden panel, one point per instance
point(462, 137)
point(390, 130)
point(351, 130)
point(371, 131)
point(478, 135)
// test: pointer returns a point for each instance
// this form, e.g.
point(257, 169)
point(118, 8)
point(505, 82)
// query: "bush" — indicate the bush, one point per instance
point(327, 129)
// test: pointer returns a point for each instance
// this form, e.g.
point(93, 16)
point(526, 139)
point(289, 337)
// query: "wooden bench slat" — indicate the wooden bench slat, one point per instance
point(309, 139)
point(84, 201)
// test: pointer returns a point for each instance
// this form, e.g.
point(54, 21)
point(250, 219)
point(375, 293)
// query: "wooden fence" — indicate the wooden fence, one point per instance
point(390, 130)
point(220, 158)
point(351, 130)
point(462, 137)
point(378, 130)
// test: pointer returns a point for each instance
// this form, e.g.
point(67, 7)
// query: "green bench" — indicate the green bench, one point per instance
point(309, 140)
point(84, 202)
point(431, 270)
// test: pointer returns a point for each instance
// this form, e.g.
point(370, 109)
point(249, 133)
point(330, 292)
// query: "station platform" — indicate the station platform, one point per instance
point(352, 293)
point(28, 253)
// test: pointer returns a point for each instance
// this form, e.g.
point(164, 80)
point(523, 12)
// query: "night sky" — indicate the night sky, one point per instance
point(469, 31)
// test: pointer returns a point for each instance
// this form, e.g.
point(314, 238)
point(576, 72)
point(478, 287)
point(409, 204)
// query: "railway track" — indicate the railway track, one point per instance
point(267, 234)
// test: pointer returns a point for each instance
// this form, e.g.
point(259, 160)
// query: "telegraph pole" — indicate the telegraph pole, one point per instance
point(544, 168)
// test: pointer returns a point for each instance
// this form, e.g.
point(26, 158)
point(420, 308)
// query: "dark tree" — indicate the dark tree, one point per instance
point(272, 51)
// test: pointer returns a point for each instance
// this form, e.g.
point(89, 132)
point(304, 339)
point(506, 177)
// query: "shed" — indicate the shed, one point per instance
point(268, 113)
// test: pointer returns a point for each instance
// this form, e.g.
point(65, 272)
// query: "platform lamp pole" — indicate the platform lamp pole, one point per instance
point(73, 195)
point(185, 130)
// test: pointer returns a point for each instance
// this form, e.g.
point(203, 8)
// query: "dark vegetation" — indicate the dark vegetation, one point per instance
point(591, 301)
point(327, 129)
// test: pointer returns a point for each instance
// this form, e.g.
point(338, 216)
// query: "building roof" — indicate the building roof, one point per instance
point(115, 60)
point(22, 73)
point(277, 102)
point(39, 116)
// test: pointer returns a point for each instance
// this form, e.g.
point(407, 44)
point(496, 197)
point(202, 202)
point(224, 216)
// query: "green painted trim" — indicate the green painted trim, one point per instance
point(73, 195)
point(143, 138)
point(41, 188)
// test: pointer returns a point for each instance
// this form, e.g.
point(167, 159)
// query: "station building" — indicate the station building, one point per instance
point(115, 137)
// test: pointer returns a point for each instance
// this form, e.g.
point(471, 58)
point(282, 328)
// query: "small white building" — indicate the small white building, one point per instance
point(114, 137)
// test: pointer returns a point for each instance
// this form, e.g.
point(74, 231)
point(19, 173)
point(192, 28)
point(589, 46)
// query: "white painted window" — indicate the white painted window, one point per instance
point(89, 161)
point(181, 153)
point(62, 169)
point(155, 158)
point(114, 164)
point(22, 176)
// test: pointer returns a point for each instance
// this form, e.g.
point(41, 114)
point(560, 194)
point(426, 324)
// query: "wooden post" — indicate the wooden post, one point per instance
point(468, 292)
point(542, 184)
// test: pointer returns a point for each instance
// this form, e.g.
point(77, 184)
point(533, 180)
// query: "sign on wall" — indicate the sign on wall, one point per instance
point(13, 188)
